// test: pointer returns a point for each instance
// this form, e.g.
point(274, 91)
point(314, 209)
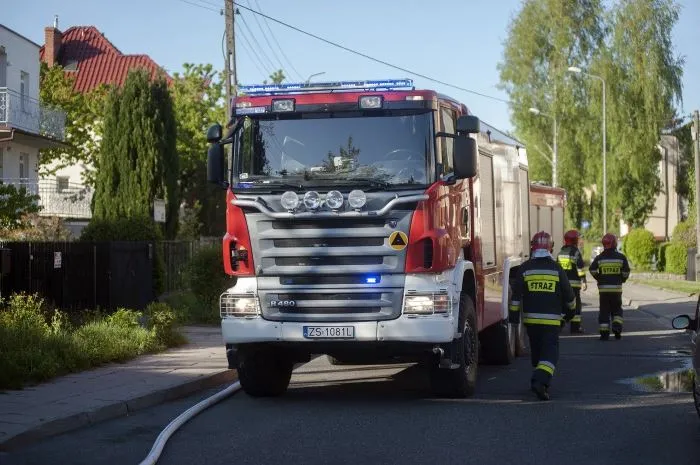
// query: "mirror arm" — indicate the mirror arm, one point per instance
point(445, 134)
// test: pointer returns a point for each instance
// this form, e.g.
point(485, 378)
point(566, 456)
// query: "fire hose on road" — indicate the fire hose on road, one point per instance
point(157, 449)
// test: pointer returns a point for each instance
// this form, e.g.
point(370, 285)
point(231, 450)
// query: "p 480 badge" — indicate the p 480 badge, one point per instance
point(282, 303)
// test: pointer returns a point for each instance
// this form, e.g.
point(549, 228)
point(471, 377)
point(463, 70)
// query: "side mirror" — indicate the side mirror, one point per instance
point(681, 322)
point(465, 152)
point(214, 133)
point(468, 124)
point(215, 164)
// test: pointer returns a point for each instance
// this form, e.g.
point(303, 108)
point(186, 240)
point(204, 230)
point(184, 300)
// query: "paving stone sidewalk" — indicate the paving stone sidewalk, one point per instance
point(80, 399)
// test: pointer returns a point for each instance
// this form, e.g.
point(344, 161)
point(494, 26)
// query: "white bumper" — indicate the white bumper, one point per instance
point(429, 329)
point(439, 328)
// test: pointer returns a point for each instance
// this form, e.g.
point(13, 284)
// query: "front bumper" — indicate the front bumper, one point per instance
point(425, 329)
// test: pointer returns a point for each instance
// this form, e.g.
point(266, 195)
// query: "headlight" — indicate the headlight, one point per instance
point(426, 304)
point(312, 200)
point(334, 200)
point(283, 105)
point(238, 306)
point(357, 199)
point(370, 101)
point(289, 200)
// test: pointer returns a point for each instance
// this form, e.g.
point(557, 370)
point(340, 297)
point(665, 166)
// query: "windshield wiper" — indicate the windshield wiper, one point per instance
point(272, 184)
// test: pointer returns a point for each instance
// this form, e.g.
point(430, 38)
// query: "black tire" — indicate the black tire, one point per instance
point(696, 392)
point(460, 382)
point(498, 344)
point(264, 373)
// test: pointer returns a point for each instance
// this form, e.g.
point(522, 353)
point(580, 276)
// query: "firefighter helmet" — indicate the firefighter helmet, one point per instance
point(571, 237)
point(542, 241)
point(609, 241)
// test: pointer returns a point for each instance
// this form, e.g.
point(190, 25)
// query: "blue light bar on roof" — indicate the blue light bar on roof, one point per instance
point(272, 89)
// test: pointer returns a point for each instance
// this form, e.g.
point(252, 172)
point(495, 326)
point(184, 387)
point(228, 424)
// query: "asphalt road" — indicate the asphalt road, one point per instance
point(384, 415)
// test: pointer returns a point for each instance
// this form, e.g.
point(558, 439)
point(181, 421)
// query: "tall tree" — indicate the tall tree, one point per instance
point(277, 77)
point(644, 81)
point(83, 122)
point(138, 157)
point(544, 39)
point(198, 98)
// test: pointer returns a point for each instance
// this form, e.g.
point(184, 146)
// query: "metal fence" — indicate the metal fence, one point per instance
point(176, 256)
point(56, 197)
point(76, 276)
point(23, 112)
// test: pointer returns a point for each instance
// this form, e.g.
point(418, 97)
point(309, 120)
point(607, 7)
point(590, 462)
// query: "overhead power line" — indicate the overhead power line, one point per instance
point(199, 5)
point(255, 59)
point(259, 49)
point(250, 50)
point(272, 49)
point(272, 34)
point(376, 60)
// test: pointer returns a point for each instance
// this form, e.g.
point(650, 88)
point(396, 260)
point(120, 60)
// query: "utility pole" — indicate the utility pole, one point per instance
point(696, 144)
point(230, 64)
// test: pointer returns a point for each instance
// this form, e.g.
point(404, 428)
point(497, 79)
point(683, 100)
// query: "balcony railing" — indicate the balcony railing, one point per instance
point(22, 112)
point(58, 198)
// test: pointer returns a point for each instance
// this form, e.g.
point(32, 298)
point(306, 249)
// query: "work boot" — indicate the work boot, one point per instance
point(618, 335)
point(604, 336)
point(576, 328)
point(540, 391)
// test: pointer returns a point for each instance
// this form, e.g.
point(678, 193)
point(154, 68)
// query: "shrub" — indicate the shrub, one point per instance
point(676, 258)
point(684, 232)
point(206, 280)
point(639, 246)
point(661, 256)
point(37, 345)
point(162, 322)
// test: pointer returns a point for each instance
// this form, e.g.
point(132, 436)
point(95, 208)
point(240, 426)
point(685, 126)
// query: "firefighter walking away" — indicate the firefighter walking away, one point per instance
point(611, 269)
point(571, 261)
point(542, 293)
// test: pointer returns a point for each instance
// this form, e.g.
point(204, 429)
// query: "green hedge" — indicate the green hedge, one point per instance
point(676, 258)
point(661, 257)
point(639, 246)
point(684, 232)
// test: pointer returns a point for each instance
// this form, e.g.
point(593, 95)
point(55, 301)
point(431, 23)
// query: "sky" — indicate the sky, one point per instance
point(456, 41)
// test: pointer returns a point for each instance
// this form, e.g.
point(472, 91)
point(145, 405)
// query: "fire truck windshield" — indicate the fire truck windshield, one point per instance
point(391, 148)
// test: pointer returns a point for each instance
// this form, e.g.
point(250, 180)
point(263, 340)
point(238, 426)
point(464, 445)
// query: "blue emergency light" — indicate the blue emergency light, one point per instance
point(378, 85)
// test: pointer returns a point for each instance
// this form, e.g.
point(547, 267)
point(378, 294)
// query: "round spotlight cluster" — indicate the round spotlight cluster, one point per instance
point(334, 200)
point(312, 200)
point(357, 199)
point(289, 200)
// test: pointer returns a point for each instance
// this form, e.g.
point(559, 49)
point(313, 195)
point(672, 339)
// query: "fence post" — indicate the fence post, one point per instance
point(94, 276)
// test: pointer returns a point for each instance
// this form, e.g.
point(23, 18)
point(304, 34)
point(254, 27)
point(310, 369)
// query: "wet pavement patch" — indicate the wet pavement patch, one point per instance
point(669, 381)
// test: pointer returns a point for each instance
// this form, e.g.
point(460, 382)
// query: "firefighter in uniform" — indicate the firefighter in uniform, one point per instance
point(542, 290)
point(611, 269)
point(571, 261)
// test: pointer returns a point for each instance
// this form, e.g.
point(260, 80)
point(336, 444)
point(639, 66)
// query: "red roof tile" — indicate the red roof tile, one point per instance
point(97, 60)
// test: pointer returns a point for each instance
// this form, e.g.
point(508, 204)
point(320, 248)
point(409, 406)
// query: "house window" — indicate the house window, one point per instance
point(62, 183)
point(23, 166)
point(24, 90)
point(3, 67)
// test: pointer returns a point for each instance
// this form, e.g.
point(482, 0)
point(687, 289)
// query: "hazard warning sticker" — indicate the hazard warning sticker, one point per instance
point(398, 240)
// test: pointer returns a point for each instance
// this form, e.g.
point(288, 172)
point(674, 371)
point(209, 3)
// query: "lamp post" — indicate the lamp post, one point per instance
point(314, 75)
point(537, 112)
point(577, 70)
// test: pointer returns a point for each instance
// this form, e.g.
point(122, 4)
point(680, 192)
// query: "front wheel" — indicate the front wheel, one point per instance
point(460, 382)
point(264, 373)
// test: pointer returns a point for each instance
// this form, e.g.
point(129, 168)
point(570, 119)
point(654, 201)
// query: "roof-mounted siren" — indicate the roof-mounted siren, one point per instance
point(338, 86)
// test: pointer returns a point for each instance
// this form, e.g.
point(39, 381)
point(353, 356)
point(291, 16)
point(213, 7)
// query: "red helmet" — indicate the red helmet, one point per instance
point(571, 237)
point(542, 240)
point(609, 241)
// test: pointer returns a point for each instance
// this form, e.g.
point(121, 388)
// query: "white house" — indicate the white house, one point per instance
point(26, 126)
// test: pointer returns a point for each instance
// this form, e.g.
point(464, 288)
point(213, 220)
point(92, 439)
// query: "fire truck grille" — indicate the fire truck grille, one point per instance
point(337, 269)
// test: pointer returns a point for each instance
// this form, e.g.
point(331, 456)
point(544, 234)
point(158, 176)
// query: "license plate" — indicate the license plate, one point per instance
point(329, 332)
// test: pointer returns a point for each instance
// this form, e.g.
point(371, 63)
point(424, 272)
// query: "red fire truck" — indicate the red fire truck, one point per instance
point(367, 221)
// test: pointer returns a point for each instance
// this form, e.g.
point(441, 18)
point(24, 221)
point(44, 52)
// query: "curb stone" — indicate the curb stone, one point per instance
point(115, 410)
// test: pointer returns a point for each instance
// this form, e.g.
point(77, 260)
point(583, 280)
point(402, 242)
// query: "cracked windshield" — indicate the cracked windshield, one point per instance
point(332, 148)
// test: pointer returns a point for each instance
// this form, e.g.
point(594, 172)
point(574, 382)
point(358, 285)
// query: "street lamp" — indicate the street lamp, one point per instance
point(537, 112)
point(314, 75)
point(577, 70)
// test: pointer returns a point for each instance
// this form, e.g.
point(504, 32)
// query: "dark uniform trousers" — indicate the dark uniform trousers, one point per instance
point(610, 308)
point(544, 351)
